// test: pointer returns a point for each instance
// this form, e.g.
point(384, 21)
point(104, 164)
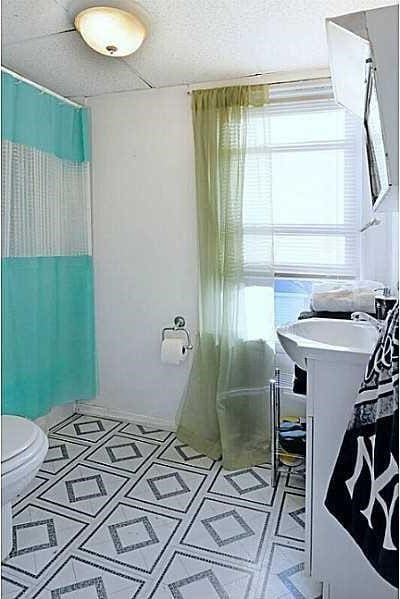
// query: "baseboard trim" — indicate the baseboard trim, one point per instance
point(55, 415)
point(91, 409)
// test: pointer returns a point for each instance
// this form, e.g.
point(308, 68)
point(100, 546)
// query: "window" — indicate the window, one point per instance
point(310, 150)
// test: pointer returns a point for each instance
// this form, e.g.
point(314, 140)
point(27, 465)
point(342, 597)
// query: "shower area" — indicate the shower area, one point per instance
point(48, 338)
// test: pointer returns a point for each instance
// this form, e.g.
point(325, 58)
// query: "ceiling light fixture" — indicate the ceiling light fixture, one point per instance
point(110, 31)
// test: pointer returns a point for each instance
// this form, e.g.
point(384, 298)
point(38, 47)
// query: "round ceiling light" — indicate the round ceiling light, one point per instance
point(110, 31)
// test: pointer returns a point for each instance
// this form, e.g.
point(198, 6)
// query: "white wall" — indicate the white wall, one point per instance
point(381, 250)
point(380, 243)
point(145, 248)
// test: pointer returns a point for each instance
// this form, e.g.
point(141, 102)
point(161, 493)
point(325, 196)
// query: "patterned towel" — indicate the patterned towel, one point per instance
point(363, 493)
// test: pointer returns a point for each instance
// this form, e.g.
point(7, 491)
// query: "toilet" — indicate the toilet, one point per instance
point(23, 449)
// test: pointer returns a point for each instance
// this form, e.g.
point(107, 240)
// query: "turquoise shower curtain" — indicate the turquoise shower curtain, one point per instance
point(48, 342)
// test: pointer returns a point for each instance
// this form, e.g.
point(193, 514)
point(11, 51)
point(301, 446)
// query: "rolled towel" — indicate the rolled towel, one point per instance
point(345, 297)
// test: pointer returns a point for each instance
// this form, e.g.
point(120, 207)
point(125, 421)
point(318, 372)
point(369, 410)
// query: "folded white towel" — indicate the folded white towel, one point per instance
point(345, 297)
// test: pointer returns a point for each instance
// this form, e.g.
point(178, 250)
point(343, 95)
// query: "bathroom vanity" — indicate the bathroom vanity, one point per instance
point(335, 354)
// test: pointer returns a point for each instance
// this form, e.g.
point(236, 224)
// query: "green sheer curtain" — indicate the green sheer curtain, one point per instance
point(225, 408)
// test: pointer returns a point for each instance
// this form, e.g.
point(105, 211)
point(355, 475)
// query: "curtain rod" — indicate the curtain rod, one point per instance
point(41, 87)
point(319, 74)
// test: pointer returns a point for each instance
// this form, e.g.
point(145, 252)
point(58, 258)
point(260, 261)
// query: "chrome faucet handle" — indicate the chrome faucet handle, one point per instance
point(359, 316)
point(386, 291)
point(364, 317)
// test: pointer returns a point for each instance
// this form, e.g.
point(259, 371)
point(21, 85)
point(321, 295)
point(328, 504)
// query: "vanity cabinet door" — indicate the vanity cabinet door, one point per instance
point(309, 494)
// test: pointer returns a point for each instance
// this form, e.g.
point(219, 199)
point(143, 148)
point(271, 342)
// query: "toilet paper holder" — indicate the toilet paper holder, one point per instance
point(179, 325)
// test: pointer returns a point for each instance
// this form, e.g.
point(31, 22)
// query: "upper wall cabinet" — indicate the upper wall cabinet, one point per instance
point(364, 62)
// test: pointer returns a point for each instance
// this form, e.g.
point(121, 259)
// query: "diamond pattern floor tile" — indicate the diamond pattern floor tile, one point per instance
point(123, 453)
point(181, 453)
point(60, 455)
point(133, 537)
point(189, 576)
point(228, 530)
point(168, 487)
point(296, 482)
point(252, 485)
point(80, 579)
point(39, 536)
point(291, 520)
point(84, 489)
point(32, 490)
point(126, 511)
point(86, 428)
point(147, 432)
point(285, 575)
point(11, 589)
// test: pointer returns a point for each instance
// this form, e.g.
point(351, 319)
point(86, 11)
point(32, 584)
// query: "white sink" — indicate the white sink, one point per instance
point(327, 338)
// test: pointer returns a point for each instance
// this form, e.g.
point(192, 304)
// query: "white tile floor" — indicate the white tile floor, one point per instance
point(122, 511)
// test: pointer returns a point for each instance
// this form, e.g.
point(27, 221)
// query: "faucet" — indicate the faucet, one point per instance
point(364, 317)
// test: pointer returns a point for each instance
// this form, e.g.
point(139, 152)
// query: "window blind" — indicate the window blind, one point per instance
point(302, 187)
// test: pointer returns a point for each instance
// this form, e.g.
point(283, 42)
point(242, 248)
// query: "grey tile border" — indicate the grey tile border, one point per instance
point(284, 575)
point(74, 509)
point(149, 432)
point(64, 453)
point(156, 447)
point(78, 427)
point(247, 530)
point(62, 438)
point(73, 498)
point(188, 462)
point(70, 460)
point(66, 420)
point(39, 486)
point(266, 505)
point(97, 582)
point(17, 584)
point(260, 482)
point(98, 566)
point(143, 475)
point(146, 435)
point(120, 548)
point(156, 491)
point(225, 553)
point(58, 553)
point(185, 456)
point(51, 533)
point(298, 520)
point(209, 574)
point(114, 459)
point(267, 571)
point(206, 561)
point(59, 430)
point(116, 561)
point(293, 487)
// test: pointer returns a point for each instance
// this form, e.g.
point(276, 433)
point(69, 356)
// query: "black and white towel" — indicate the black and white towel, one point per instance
point(363, 493)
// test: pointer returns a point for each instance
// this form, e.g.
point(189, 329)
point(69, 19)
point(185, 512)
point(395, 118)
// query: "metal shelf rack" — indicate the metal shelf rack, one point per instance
point(275, 418)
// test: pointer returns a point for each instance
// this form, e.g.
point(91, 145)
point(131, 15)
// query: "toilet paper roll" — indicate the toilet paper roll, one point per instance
point(173, 350)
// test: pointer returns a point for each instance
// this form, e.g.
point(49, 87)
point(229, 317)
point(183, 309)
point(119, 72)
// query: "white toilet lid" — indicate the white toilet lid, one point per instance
point(17, 435)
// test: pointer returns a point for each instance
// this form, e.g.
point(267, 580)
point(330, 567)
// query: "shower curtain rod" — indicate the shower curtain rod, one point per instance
point(40, 87)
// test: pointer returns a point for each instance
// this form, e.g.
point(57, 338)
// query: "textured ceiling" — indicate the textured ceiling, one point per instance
point(190, 41)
